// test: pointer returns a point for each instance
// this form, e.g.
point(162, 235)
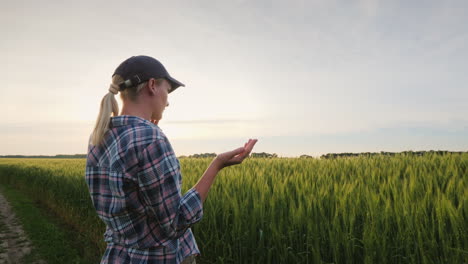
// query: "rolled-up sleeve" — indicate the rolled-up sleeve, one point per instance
point(160, 189)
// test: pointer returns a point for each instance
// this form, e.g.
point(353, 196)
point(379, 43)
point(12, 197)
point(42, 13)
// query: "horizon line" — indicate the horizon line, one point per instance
point(278, 155)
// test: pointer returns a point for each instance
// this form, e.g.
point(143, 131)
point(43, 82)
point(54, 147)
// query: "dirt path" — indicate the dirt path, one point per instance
point(14, 244)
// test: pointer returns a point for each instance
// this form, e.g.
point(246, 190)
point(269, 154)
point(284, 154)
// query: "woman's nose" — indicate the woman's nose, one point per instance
point(167, 104)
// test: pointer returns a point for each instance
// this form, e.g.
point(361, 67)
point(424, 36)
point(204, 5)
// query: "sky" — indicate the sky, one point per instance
point(303, 77)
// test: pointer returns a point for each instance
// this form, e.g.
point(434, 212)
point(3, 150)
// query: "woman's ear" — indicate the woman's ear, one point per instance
point(152, 86)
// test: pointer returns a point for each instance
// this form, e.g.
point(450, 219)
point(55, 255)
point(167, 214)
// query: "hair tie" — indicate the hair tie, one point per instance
point(113, 88)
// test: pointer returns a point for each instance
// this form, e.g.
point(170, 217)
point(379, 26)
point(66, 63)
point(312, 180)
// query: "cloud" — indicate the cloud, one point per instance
point(47, 138)
point(253, 68)
point(369, 7)
point(208, 121)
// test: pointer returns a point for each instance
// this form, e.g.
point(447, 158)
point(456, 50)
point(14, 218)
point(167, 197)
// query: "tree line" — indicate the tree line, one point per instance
point(59, 156)
point(384, 153)
point(267, 155)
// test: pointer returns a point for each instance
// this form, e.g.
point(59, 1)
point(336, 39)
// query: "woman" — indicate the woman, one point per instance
point(134, 176)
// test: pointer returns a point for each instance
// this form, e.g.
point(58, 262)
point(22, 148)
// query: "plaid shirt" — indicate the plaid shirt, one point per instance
point(135, 184)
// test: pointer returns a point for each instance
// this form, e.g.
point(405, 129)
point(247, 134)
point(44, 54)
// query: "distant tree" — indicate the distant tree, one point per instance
point(264, 155)
point(65, 156)
point(203, 155)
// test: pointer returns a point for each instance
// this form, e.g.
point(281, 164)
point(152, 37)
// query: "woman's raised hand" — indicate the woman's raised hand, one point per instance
point(235, 156)
point(221, 161)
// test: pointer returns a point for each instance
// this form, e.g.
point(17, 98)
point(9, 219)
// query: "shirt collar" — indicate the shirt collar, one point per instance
point(125, 120)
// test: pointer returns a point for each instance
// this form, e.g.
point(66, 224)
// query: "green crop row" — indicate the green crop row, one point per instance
point(401, 209)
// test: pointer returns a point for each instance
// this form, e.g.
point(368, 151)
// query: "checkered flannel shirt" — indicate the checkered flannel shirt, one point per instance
point(134, 180)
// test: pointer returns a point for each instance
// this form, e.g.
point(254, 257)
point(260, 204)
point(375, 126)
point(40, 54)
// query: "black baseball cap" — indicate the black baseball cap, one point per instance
point(139, 69)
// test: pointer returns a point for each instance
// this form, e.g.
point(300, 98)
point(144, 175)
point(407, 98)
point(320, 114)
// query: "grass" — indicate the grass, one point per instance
point(51, 243)
point(402, 209)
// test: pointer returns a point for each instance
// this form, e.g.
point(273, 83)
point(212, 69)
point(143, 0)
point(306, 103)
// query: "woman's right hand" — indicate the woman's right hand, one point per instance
point(235, 156)
point(221, 161)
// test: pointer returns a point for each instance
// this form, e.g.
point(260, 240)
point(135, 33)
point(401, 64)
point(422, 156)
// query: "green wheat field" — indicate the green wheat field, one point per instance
point(381, 209)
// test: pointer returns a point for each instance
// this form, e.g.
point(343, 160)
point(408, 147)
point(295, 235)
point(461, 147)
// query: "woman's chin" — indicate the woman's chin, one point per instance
point(156, 117)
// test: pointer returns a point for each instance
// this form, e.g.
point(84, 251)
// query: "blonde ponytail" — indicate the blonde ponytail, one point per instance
point(109, 105)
